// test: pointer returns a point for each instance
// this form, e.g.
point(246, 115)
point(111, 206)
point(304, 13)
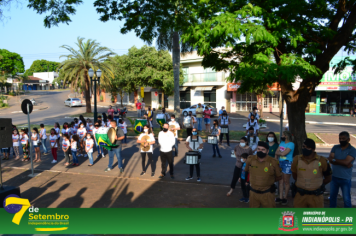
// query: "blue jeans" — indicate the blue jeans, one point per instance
point(345, 185)
point(200, 121)
point(75, 158)
point(44, 146)
point(117, 120)
point(215, 146)
point(117, 152)
point(125, 140)
point(99, 148)
point(139, 113)
point(90, 155)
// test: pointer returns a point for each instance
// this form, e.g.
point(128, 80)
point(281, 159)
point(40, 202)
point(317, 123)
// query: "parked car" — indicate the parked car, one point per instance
point(73, 102)
point(212, 109)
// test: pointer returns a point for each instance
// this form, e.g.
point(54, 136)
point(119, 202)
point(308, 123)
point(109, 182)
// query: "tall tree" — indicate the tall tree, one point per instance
point(152, 19)
point(42, 66)
point(303, 36)
point(75, 68)
point(11, 62)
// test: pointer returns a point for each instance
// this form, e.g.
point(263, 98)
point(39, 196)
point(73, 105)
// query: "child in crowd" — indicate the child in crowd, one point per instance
point(25, 144)
point(89, 144)
point(36, 144)
point(82, 132)
point(244, 179)
point(73, 147)
point(16, 143)
point(43, 137)
point(66, 148)
point(57, 128)
point(54, 145)
point(90, 126)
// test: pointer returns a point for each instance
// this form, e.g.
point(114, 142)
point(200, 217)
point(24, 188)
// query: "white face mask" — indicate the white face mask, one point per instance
point(82, 126)
point(172, 120)
point(242, 144)
point(242, 160)
point(270, 139)
point(88, 137)
point(145, 130)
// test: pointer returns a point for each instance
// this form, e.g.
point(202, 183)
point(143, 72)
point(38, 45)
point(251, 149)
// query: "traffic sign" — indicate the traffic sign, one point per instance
point(24, 106)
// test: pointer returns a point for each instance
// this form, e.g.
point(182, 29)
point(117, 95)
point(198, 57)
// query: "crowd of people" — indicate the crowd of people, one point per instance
point(260, 168)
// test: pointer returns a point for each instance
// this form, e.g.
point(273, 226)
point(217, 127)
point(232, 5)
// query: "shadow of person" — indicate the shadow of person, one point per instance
point(73, 202)
point(105, 199)
point(46, 200)
point(34, 192)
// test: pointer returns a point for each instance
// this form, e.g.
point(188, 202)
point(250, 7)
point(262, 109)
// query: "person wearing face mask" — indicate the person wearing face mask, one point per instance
point(35, 137)
point(119, 136)
point(108, 123)
point(54, 145)
point(285, 153)
point(176, 125)
point(89, 127)
point(273, 144)
point(264, 171)
point(193, 122)
point(123, 126)
point(221, 111)
point(82, 132)
point(224, 120)
point(194, 143)
point(244, 179)
point(252, 140)
point(342, 158)
point(166, 140)
point(207, 114)
point(43, 138)
point(149, 122)
point(254, 113)
point(66, 129)
point(240, 149)
point(168, 118)
point(215, 130)
point(199, 115)
point(16, 143)
point(89, 144)
point(25, 144)
point(57, 128)
point(145, 144)
point(311, 173)
point(252, 123)
point(66, 148)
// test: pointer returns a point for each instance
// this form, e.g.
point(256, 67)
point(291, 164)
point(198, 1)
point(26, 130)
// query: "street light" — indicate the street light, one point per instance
point(91, 75)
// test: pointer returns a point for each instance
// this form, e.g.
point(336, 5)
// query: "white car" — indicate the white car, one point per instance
point(212, 109)
point(73, 102)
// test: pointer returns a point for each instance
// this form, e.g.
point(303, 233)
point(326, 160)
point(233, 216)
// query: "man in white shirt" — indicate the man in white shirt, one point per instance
point(253, 140)
point(166, 140)
point(177, 127)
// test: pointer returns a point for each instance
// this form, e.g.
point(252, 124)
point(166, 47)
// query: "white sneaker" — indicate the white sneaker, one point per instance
point(102, 155)
point(54, 161)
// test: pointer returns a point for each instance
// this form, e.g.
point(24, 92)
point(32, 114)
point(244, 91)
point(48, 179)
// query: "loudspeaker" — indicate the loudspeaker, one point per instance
point(5, 132)
point(6, 191)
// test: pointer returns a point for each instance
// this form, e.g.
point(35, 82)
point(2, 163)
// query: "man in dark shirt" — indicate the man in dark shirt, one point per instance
point(116, 150)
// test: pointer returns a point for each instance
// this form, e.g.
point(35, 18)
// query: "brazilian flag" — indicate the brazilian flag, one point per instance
point(103, 139)
point(139, 123)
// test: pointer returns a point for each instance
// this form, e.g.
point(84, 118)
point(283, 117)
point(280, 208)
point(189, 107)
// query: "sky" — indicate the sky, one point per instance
point(23, 32)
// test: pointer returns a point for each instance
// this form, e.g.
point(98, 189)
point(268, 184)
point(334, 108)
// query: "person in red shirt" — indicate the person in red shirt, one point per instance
point(111, 111)
point(138, 107)
point(207, 114)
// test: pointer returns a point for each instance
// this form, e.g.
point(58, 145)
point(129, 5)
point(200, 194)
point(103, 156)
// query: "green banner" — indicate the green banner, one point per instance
point(30, 220)
point(139, 123)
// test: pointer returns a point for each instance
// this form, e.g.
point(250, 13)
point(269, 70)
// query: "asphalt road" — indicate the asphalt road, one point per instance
point(56, 111)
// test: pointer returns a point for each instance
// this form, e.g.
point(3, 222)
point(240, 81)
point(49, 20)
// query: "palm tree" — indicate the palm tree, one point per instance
point(75, 68)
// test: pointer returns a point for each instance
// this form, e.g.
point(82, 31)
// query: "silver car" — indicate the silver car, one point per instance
point(212, 109)
point(73, 102)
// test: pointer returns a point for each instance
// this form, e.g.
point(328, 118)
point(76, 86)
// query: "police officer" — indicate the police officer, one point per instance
point(264, 171)
point(311, 172)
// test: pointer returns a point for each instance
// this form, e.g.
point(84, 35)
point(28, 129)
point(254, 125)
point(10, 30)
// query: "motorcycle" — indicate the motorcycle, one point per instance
point(122, 113)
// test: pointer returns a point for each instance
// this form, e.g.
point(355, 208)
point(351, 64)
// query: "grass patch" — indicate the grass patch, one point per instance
point(314, 137)
point(91, 114)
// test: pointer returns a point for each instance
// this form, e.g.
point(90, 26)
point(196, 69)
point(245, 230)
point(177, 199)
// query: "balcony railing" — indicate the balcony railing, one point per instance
point(205, 77)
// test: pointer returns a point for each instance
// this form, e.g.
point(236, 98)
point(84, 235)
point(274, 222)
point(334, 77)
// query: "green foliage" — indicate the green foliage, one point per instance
point(132, 121)
point(42, 66)
point(58, 10)
point(10, 62)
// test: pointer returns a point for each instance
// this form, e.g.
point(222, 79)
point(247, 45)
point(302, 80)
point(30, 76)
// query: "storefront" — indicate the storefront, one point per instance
point(335, 95)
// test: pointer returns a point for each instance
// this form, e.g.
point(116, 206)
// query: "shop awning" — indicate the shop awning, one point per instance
point(203, 88)
point(182, 88)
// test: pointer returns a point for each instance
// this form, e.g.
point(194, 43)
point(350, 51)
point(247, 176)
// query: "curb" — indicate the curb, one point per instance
point(313, 122)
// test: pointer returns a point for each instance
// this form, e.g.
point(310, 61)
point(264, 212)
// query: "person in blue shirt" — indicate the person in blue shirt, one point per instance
point(285, 156)
point(342, 158)
point(221, 111)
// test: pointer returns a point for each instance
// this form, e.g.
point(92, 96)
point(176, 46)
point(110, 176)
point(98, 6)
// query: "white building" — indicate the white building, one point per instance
point(50, 76)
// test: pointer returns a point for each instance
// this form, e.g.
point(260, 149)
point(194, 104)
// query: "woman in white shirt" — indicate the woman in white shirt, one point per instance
point(66, 129)
point(90, 126)
point(16, 144)
point(81, 133)
point(25, 144)
point(66, 148)
point(99, 148)
point(146, 143)
point(54, 145)
point(73, 149)
point(57, 128)
point(35, 137)
point(73, 129)
point(123, 126)
point(89, 144)
point(43, 137)
point(109, 121)
point(194, 143)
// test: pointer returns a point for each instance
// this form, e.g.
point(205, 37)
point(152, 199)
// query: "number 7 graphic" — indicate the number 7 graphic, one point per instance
point(18, 201)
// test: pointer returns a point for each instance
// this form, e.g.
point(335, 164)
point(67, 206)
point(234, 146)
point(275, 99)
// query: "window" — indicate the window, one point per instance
point(75, 99)
point(185, 99)
point(245, 102)
point(210, 98)
point(68, 100)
